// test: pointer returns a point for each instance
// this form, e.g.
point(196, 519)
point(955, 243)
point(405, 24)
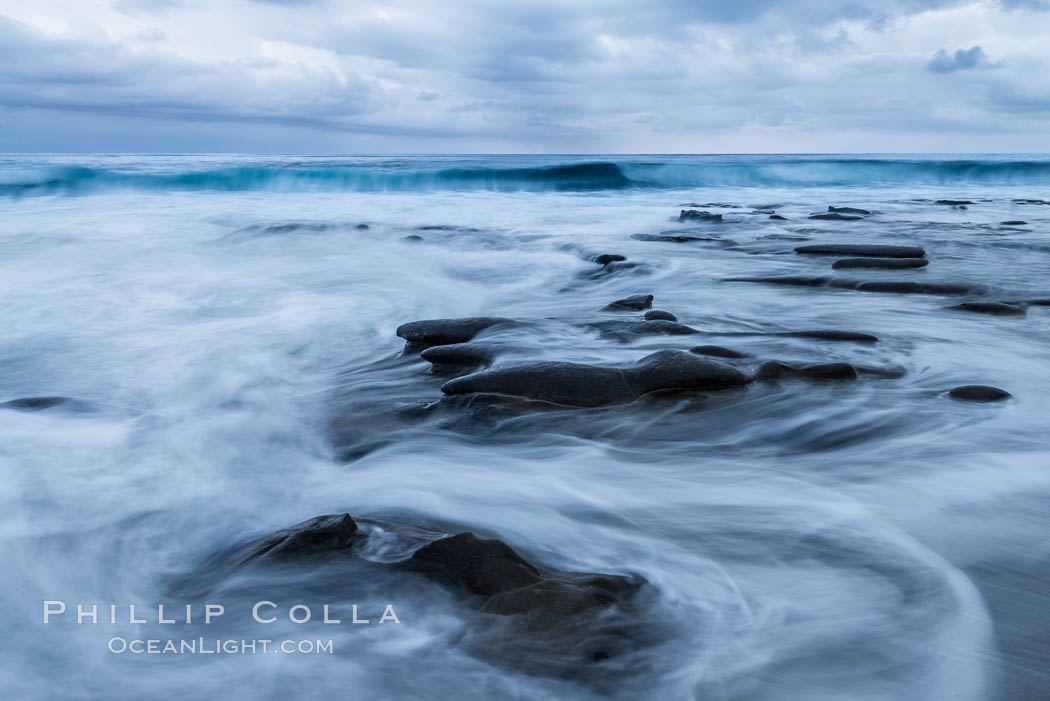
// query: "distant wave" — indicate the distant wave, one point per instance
point(573, 177)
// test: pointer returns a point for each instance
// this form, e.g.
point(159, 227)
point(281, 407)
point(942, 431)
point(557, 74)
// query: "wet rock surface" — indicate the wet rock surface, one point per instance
point(994, 308)
point(978, 393)
point(576, 384)
point(659, 315)
point(887, 263)
point(835, 216)
point(589, 617)
point(862, 249)
point(698, 215)
point(632, 303)
point(718, 352)
point(43, 403)
point(439, 332)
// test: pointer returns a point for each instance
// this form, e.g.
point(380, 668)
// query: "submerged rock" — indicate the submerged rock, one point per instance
point(512, 604)
point(441, 332)
point(862, 249)
point(954, 203)
point(607, 258)
point(632, 303)
point(996, 308)
point(41, 403)
point(694, 215)
point(660, 315)
point(674, 238)
point(775, 369)
point(718, 352)
point(1017, 222)
point(848, 210)
point(903, 287)
point(460, 354)
point(413, 238)
point(629, 330)
point(319, 534)
point(777, 217)
point(792, 280)
point(890, 263)
point(979, 393)
point(831, 335)
point(835, 216)
point(576, 384)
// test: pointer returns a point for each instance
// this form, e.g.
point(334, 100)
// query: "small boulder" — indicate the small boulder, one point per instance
point(889, 263)
point(460, 354)
point(954, 203)
point(698, 215)
point(979, 393)
point(633, 303)
point(607, 258)
point(995, 308)
point(835, 216)
point(862, 249)
point(659, 315)
point(777, 217)
point(848, 210)
point(576, 384)
point(1016, 222)
point(718, 352)
point(441, 332)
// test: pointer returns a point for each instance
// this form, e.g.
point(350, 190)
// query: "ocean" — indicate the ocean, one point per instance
point(216, 339)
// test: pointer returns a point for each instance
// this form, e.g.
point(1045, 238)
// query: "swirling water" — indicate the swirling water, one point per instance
point(228, 325)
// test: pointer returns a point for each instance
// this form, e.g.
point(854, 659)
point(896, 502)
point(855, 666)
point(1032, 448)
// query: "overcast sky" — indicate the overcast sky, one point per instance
point(591, 76)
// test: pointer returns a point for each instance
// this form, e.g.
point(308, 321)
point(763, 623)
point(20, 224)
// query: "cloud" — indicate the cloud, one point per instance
point(961, 60)
point(550, 75)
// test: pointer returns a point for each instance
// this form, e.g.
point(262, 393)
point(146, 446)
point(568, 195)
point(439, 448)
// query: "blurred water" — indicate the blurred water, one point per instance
point(220, 314)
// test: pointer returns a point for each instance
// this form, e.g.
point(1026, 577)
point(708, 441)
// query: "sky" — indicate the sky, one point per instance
point(544, 76)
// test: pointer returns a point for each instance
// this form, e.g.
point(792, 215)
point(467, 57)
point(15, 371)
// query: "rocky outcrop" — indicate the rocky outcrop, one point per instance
point(440, 332)
point(861, 249)
point(575, 384)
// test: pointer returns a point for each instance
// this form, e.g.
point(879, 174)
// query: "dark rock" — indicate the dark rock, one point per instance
point(1044, 302)
point(718, 352)
point(362, 227)
point(442, 332)
point(848, 210)
point(413, 238)
point(673, 238)
point(996, 308)
point(892, 263)
point(460, 354)
point(775, 369)
point(832, 335)
point(835, 216)
point(694, 214)
point(953, 203)
point(575, 384)
point(41, 403)
point(903, 287)
point(660, 315)
point(862, 249)
point(629, 330)
point(633, 303)
point(777, 217)
point(1029, 201)
point(830, 371)
point(926, 288)
point(794, 280)
point(979, 393)
point(320, 534)
point(1017, 222)
point(484, 567)
point(607, 258)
